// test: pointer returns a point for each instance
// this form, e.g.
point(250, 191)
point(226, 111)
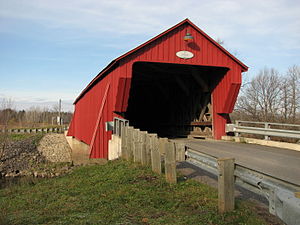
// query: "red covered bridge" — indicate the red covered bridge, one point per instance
point(179, 83)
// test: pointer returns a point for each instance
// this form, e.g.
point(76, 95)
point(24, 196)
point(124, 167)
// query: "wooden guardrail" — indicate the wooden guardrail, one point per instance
point(150, 150)
point(147, 149)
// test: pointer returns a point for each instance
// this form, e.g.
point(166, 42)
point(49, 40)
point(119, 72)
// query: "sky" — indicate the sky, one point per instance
point(51, 49)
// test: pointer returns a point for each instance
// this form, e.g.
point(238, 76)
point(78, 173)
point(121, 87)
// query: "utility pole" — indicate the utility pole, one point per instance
point(59, 113)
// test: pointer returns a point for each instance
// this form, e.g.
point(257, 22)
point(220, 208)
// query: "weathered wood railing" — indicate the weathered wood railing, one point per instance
point(147, 149)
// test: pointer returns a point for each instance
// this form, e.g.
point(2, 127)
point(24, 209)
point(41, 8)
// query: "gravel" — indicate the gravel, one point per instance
point(55, 148)
point(49, 158)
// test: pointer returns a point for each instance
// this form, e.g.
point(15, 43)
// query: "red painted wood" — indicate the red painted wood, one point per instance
point(96, 129)
point(162, 49)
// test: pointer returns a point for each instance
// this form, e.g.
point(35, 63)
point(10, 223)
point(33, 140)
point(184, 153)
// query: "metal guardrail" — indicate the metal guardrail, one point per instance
point(280, 194)
point(267, 131)
point(36, 130)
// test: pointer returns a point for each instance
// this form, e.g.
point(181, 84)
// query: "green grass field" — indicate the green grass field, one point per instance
point(116, 193)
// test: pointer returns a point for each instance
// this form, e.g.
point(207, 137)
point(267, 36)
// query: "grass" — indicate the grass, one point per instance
point(35, 137)
point(116, 193)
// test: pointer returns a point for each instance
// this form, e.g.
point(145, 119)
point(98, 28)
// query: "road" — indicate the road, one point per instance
point(277, 162)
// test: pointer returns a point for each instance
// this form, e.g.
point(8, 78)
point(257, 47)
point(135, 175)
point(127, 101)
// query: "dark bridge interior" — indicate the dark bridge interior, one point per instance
point(172, 99)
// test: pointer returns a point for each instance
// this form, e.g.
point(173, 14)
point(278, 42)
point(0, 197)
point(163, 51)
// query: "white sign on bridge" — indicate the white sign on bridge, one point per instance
point(185, 54)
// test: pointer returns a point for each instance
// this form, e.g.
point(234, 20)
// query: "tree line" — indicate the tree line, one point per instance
point(33, 117)
point(271, 97)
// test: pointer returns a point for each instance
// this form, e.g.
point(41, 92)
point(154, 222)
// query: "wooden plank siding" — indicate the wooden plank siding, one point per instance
point(161, 49)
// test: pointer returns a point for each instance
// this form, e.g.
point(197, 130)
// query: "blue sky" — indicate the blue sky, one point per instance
point(51, 49)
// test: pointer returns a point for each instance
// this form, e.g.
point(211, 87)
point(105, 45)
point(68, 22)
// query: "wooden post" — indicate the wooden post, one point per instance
point(226, 184)
point(180, 151)
point(129, 143)
point(162, 142)
point(148, 150)
point(170, 163)
point(143, 147)
point(155, 154)
point(124, 153)
point(136, 145)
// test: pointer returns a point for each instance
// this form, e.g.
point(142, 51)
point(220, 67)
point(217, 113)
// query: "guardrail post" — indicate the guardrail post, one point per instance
point(136, 145)
point(180, 151)
point(143, 138)
point(129, 143)
point(226, 185)
point(237, 124)
point(155, 155)
point(148, 150)
point(124, 152)
point(162, 146)
point(267, 126)
point(170, 163)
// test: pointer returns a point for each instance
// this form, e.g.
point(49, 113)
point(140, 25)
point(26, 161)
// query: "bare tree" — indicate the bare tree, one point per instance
point(6, 114)
point(293, 80)
point(220, 41)
point(285, 100)
point(6, 108)
point(260, 100)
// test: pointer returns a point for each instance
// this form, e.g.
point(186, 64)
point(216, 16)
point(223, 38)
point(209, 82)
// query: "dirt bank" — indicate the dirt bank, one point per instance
point(35, 155)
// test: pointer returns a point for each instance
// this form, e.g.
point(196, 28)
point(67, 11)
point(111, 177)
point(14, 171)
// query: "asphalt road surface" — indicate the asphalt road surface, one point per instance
point(277, 162)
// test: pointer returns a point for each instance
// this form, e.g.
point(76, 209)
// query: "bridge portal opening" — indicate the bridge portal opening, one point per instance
point(173, 100)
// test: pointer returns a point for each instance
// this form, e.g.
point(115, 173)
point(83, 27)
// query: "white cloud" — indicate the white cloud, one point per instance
point(256, 28)
point(67, 106)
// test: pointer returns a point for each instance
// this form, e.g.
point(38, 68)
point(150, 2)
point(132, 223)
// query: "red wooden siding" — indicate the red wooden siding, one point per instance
point(160, 49)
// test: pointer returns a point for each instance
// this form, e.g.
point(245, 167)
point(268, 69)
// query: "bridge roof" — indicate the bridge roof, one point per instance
point(115, 63)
